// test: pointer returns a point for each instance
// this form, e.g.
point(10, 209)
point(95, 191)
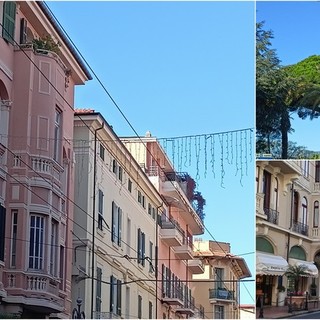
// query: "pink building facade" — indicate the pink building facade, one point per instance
point(36, 162)
point(178, 222)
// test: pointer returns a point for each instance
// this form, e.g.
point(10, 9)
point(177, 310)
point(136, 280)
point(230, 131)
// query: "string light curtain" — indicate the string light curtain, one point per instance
point(211, 153)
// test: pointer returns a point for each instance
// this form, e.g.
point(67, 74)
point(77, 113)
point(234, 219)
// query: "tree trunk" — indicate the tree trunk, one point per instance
point(285, 127)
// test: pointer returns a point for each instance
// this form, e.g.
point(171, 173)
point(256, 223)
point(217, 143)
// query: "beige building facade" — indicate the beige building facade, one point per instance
point(117, 278)
point(287, 228)
point(218, 288)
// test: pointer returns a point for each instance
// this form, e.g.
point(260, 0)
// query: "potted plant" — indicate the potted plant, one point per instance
point(294, 272)
point(45, 44)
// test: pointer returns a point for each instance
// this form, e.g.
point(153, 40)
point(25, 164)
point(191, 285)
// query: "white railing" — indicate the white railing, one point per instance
point(36, 283)
point(41, 165)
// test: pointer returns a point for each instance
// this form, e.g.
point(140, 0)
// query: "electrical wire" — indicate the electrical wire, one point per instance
point(100, 84)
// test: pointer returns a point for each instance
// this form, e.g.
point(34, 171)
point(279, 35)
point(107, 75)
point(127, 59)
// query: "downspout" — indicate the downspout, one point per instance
point(157, 257)
point(94, 215)
point(291, 214)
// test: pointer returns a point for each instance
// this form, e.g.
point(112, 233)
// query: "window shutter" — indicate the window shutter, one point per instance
point(2, 230)
point(119, 297)
point(143, 248)
point(113, 222)
point(163, 272)
point(112, 280)
point(9, 18)
point(119, 225)
point(139, 245)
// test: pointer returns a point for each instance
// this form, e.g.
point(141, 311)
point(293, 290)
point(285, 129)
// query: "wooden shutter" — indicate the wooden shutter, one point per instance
point(2, 230)
point(112, 281)
point(9, 18)
point(113, 221)
point(139, 246)
point(119, 297)
point(143, 247)
point(119, 225)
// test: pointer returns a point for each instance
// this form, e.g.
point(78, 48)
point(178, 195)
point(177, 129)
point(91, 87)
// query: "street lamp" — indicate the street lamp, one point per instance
point(76, 313)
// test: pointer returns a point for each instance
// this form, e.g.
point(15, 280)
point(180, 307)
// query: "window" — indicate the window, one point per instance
point(115, 296)
point(62, 273)
point(266, 188)
point(218, 312)
point(305, 168)
point(151, 268)
point(149, 208)
point(139, 307)
point(153, 213)
point(129, 185)
point(14, 231)
point(141, 199)
point(316, 214)
point(304, 210)
point(139, 196)
point(219, 278)
point(57, 135)
point(98, 290)
point(23, 30)
point(2, 230)
point(295, 206)
point(114, 166)
point(101, 153)
point(54, 247)
point(120, 173)
point(141, 247)
point(150, 310)
point(36, 242)
point(116, 224)
point(275, 194)
point(317, 174)
point(100, 209)
point(8, 22)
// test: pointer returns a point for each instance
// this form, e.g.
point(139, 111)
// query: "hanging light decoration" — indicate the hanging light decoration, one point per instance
point(235, 149)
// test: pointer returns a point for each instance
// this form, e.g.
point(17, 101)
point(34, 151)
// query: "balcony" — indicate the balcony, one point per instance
point(185, 251)
point(272, 215)
point(187, 308)
point(172, 297)
point(300, 227)
point(171, 233)
point(220, 294)
point(37, 290)
point(196, 266)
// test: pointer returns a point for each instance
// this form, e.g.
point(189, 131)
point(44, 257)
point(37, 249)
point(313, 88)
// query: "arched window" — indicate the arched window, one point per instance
point(264, 245)
point(316, 214)
point(304, 204)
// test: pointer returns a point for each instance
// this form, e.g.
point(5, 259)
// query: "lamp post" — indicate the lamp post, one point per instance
point(76, 313)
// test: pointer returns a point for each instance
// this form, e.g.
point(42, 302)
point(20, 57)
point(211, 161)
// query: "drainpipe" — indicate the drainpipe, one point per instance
point(291, 217)
point(94, 215)
point(157, 257)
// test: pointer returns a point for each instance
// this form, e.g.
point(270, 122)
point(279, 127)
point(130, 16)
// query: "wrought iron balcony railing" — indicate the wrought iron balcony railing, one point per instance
point(300, 228)
point(272, 215)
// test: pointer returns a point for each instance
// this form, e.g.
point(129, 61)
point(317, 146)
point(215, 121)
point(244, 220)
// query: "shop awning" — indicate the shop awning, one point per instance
point(270, 264)
point(312, 270)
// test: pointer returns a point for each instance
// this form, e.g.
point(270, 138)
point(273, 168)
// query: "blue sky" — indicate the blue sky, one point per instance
point(177, 69)
point(295, 25)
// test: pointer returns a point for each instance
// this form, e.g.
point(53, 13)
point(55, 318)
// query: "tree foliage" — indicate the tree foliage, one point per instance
point(282, 90)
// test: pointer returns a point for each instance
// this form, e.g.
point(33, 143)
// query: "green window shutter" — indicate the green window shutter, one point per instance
point(9, 18)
